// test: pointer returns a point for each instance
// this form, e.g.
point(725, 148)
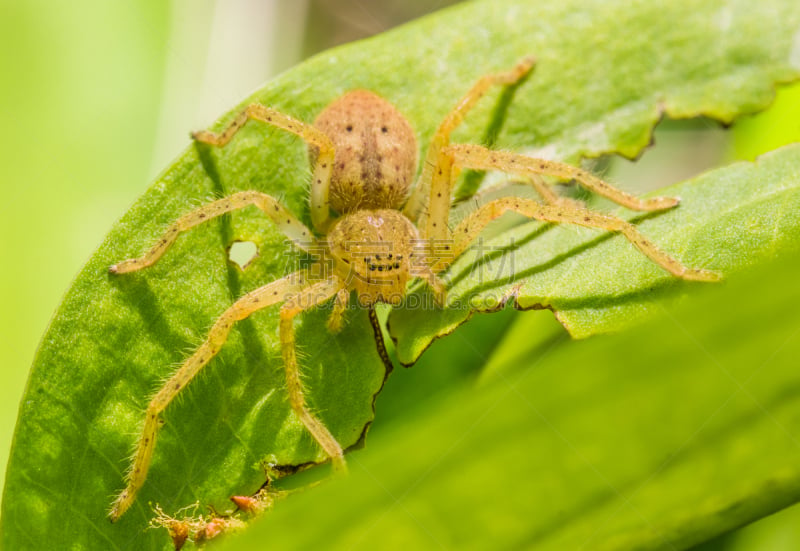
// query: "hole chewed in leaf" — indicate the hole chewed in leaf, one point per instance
point(242, 253)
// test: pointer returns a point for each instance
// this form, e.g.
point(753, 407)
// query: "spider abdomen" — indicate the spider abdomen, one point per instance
point(376, 152)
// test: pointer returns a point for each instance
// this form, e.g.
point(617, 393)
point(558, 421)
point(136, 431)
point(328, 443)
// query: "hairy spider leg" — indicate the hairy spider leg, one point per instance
point(320, 204)
point(304, 300)
point(339, 306)
point(437, 285)
point(546, 192)
point(481, 158)
point(470, 227)
point(416, 203)
point(285, 220)
point(265, 296)
point(542, 188)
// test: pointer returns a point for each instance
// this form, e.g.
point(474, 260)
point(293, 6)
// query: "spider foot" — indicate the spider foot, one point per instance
point(660, 203)
point(339, 465)
point(126, 266)
point(203, 136)
point(692, 274)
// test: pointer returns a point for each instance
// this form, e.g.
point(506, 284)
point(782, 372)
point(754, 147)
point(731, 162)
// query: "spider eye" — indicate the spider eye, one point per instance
point(349, 128)
point(384, 129)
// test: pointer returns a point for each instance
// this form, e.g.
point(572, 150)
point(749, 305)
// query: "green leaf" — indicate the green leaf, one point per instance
point(728, 219)
point(605, 74)
point(660, 437)
point(681, 63)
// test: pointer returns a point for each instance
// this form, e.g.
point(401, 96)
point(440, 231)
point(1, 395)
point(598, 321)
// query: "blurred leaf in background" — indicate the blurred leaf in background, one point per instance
point(82, 82)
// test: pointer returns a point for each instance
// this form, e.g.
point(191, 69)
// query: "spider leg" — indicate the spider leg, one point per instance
point(481, 158)
point(508, 188)
point(260, 298)
point(286, 222)
point(320, 212)
point(416, 203)
point(339, 306)
point(546, 192)
point(304, 300)
point(471, 226)
point(437, 285)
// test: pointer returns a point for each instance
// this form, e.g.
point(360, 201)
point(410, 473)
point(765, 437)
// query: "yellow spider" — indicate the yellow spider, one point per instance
point(364, 156)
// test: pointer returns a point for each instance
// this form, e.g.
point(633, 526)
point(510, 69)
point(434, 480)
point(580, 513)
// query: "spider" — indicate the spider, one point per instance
point(364, 158)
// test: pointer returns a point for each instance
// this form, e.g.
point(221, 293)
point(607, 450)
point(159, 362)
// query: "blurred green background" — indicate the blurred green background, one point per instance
point(98, 96)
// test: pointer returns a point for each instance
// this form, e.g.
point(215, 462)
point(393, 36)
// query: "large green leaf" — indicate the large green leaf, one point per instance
point(634, 66)
point(728, 219)
point(605, 72)
point(656, 438)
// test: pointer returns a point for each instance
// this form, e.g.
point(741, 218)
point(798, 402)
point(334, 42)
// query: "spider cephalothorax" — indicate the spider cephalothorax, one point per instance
point(377, 251)
point(364, 156)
